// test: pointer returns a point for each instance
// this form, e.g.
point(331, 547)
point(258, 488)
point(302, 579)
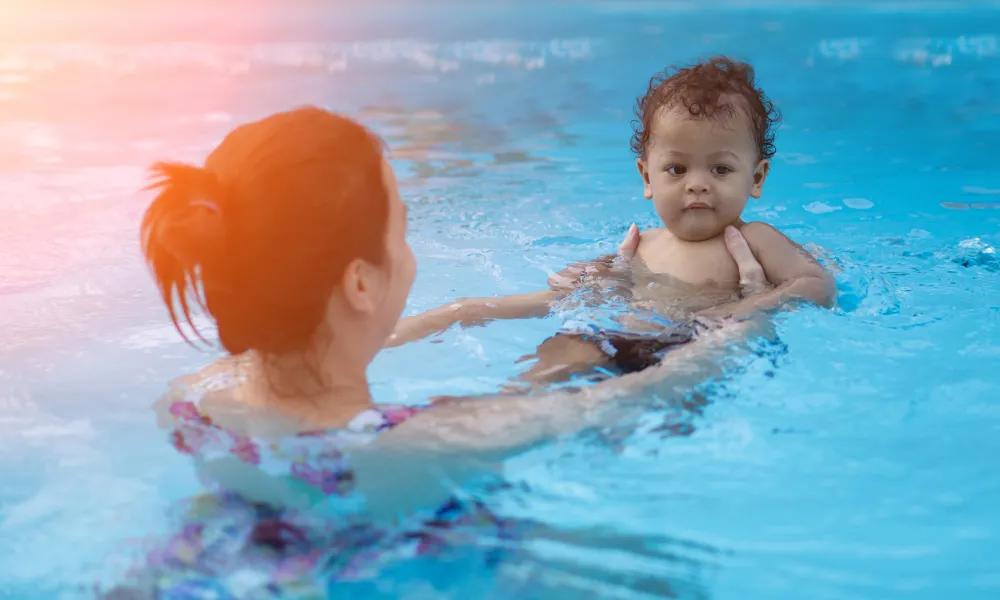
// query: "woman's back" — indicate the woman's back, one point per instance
point(211, 419)
point(281, 506)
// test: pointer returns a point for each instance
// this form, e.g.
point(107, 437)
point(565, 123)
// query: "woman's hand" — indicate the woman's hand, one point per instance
point(570, 277)
point(629, 245)
point(753, 281)
point(752, 278)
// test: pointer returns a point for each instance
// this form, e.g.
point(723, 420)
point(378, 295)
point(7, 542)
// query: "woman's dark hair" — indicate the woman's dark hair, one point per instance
point(262, 234)
point(706, 90)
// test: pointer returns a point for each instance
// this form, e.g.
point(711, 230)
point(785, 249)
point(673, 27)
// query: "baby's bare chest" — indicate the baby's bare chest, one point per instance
point(703, 265)
point(680, 283)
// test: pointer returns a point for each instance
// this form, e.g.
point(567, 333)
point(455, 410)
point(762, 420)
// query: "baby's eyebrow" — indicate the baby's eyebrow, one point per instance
point(727, 153)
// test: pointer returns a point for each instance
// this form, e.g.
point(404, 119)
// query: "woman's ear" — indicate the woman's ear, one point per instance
point(359, 286)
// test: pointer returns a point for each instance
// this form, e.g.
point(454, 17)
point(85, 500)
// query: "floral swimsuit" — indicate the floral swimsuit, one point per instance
point(229, 547)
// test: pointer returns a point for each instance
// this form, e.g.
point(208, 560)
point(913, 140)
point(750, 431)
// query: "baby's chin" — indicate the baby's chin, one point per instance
point(696, 233)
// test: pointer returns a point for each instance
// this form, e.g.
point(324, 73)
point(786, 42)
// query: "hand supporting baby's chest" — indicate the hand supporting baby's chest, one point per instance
point(697, 265)
point(676, 278)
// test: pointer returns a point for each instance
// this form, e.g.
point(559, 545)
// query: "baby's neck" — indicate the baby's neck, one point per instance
point(673, 238)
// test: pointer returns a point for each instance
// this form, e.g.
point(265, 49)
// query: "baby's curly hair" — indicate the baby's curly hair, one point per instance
point(705, 90)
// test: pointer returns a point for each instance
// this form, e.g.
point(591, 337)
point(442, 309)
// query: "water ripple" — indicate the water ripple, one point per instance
point(21, 60)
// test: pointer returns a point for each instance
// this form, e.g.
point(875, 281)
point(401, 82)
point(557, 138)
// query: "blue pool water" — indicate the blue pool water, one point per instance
point(860, 463)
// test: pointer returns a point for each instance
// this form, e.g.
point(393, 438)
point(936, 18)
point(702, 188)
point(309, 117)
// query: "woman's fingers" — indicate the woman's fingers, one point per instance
point(628, 247)
point(752, 277)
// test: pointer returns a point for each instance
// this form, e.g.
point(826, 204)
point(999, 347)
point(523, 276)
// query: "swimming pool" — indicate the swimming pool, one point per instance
point(861, 463)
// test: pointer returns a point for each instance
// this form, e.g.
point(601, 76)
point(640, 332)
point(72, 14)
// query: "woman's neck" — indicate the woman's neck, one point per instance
point(319, 392)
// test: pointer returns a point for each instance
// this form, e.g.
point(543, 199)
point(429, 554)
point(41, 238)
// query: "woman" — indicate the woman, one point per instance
point(292, 238)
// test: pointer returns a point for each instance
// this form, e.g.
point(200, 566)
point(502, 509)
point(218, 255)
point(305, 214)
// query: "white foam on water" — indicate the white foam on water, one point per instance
point(819, 208)
point(858, 203)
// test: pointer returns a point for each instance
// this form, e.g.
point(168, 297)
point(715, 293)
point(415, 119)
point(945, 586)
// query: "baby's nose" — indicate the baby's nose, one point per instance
point(697, 185)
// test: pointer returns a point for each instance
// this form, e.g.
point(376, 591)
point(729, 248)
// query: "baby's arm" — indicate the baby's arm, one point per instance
point(795, 274)
point(472, 311)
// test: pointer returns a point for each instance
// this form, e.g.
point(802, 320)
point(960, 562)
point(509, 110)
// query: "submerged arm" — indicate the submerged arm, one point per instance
point(419, 463)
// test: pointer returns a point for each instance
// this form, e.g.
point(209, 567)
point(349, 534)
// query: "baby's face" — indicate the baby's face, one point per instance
point(699, 173)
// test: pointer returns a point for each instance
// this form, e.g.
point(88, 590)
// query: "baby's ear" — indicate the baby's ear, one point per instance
point(759, 177)
point(647, 191)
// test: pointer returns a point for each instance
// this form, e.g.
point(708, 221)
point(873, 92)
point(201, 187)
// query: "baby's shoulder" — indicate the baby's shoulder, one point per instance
point(649, 235)
point(773, 248)
point(757, 228)
point(763, 237)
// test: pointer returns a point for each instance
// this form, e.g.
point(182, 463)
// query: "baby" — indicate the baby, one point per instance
point(703, 144)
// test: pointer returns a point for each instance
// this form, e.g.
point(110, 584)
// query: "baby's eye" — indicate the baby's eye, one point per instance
point(676, 170)
point(721, 170)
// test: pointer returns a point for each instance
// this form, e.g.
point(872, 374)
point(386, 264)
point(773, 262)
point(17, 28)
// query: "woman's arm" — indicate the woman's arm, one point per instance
point(506, 423)
point(421, 462)
point(470, 312)
point(479, 311)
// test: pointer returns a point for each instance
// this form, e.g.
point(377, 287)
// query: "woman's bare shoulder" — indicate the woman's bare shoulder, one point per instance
point(219, 392)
